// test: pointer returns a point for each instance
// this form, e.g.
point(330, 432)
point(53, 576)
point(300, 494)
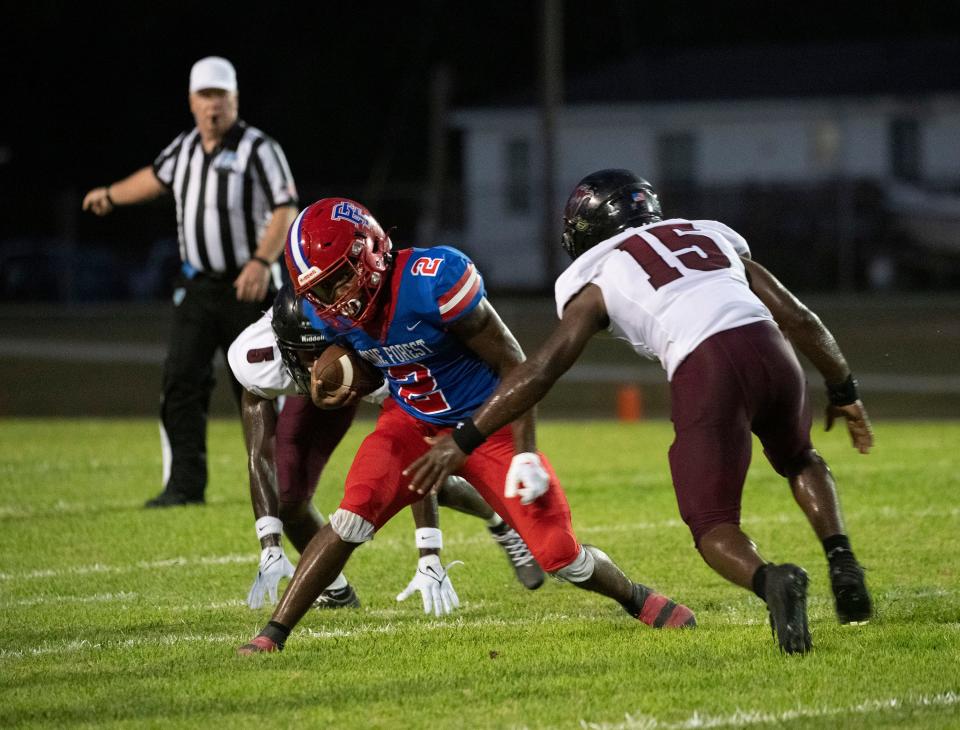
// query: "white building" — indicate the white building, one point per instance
point(871, 112)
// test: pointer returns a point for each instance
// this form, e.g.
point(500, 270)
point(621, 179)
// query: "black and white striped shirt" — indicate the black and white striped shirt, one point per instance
point(224, 198)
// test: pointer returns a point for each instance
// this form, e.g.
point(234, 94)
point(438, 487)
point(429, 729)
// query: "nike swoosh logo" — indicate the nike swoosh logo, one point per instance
point(412, 327)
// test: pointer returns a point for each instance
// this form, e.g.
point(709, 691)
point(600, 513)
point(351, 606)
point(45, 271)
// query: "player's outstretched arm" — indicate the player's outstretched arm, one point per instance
point(811, 337)
point(259, 426)
point(524, 384)
point(527, 383)
point(259, 419)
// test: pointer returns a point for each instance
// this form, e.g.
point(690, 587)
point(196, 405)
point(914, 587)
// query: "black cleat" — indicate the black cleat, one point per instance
point(528, 572)
point(786, 588)
point(172, 499)
point(340, 598)
point(849, 588)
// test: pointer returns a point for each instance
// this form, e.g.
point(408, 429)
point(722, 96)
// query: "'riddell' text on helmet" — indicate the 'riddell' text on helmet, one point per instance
point(603, 204)
point(294, 335)
point(338, 255)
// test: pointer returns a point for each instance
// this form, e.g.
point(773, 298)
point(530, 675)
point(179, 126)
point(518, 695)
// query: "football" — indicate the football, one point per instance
point(339, 370)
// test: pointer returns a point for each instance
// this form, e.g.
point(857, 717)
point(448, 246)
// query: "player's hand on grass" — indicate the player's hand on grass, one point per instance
point(858, 424)
point(526, 478)
point(274, 566)
point(433, 582)
point(429, 472)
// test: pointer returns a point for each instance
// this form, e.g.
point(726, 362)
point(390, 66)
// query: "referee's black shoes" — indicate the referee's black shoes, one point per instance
point(172, 499)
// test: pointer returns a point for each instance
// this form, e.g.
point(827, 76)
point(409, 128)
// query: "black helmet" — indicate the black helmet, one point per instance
point(605, 203)
point(295, 333)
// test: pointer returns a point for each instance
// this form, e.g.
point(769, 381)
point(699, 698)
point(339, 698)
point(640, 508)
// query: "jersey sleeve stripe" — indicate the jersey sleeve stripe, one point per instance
point(461, 295)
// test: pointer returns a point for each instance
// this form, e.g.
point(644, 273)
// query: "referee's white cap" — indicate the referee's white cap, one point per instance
point(213, 72)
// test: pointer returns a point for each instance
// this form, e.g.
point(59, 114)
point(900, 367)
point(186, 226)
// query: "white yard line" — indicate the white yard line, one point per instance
point(397, 542)
point(747, 718)
point(178, 562)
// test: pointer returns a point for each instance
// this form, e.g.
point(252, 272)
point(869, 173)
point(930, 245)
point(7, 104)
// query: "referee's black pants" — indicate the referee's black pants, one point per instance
point(207, 317)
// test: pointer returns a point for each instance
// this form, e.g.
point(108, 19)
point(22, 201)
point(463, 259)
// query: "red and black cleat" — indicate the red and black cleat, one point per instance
point(658, 611)
point(259, 645)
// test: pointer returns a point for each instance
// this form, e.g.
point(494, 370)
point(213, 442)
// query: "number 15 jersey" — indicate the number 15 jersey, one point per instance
point(667, 286)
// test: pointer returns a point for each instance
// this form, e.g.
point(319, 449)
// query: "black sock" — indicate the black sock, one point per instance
point(276, 632)
point(760, 582)
point(836, 545)
point(638, 597)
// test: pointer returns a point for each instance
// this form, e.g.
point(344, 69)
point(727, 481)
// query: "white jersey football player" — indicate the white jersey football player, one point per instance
point(289, 441)
point(687, 293)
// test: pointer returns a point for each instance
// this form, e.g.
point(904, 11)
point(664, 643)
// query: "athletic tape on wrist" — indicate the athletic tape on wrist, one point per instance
point(845, 393)
point(467, 436)
point(429, 538)
point(268, 526)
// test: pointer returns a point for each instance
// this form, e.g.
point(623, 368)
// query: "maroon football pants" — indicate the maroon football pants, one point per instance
point(735, 382)
point(306, 436)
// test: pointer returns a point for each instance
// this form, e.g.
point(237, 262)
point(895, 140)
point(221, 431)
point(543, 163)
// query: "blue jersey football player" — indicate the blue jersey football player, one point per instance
point(422, 317)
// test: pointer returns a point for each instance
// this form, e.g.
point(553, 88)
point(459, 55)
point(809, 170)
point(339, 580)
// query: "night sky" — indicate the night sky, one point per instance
point(93, 91)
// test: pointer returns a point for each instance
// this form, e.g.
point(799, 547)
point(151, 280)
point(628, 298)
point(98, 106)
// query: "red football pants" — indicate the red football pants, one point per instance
point(376, 489)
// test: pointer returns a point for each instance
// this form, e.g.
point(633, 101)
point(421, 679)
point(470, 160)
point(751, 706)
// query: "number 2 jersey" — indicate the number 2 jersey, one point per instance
point(431, 374)
point(668, 286)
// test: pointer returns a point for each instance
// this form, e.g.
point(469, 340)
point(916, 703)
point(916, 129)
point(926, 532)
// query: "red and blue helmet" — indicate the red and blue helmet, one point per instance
point(338, 255)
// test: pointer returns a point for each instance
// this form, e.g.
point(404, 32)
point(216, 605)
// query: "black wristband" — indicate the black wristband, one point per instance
point(467, 436)
point(109, 199)
point(261, 260)
point(844, 393)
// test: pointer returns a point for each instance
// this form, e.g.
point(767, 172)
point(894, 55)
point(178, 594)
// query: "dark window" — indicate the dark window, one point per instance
point(518, 176)
point(676, 158)
point(905, 149)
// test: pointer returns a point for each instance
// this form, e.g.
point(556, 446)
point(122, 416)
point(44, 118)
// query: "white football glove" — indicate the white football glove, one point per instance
point(526, 478)
point(434, 584)
point(273, 566)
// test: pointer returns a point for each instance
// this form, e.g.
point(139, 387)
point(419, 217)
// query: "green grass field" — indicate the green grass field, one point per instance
point(113, 616)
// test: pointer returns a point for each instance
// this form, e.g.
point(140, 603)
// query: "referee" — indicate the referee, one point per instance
point(235, 200)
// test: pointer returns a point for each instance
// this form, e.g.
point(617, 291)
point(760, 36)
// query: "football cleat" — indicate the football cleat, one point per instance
point(339, 598)
point(786, 588)
point(259, 645)
point(658, 611)
point(849, 588)
point(525, 566)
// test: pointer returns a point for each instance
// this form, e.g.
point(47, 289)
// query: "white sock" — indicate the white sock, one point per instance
point(339, 582)
point(495, 521)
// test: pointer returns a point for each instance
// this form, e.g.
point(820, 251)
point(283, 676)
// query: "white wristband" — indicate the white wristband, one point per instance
point(429, 538)
point(268, 526)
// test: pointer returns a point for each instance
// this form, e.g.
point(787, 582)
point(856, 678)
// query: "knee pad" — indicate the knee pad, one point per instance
point(580, 569)
point(351, 527)
point(801, 461)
